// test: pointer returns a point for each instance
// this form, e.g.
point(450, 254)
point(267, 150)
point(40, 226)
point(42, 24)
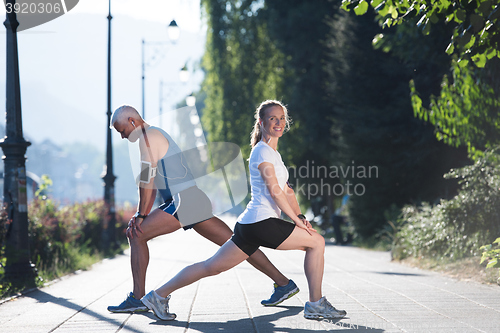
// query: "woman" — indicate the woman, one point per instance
point(259, 224)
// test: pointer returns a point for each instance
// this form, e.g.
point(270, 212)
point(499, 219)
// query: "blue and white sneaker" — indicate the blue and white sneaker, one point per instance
point(130, 304)
point(281, 293)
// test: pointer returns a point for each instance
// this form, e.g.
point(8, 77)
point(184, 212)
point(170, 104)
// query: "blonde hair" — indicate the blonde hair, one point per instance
point(260, 113)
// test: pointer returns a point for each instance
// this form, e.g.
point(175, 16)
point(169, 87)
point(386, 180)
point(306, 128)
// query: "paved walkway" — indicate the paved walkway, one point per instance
point(378, 296)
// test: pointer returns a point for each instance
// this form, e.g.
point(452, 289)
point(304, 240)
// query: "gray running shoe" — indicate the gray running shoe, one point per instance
point(323, 310)
point(159, 305)
point(130, 304)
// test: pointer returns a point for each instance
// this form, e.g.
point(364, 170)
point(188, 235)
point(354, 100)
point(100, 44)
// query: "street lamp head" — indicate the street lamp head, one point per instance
point(173, 31)
point(184, 74)
point(191, 100)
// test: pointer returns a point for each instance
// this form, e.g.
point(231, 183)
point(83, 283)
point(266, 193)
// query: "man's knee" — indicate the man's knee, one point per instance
point(136, 240)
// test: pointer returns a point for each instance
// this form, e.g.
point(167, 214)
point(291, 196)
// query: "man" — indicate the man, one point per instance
point(164, 169)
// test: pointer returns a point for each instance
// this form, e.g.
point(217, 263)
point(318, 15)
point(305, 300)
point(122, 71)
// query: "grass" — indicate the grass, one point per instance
point(466, 269)
point(80, 260)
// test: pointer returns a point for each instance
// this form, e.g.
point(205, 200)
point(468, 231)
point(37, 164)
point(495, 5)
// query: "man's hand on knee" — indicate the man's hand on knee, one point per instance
point(134, 226)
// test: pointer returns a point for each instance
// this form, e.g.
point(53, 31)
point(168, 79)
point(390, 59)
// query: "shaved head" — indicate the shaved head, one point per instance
point(123, 113)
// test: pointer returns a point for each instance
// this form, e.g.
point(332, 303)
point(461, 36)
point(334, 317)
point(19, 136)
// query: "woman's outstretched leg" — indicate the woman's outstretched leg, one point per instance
point(228, 256)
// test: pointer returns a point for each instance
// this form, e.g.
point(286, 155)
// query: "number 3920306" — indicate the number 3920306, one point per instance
point(34, 8)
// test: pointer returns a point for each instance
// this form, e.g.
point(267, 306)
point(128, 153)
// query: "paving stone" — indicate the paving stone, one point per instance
point(379, 296)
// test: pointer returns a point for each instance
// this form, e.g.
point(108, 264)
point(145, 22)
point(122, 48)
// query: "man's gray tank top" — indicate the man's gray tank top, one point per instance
point(173, 174)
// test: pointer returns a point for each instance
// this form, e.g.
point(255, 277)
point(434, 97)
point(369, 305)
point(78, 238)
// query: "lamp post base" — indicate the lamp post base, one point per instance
point(21, 274)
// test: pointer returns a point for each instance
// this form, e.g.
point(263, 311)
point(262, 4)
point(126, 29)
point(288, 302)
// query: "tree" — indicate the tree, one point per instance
point(299, 28)
point(375, 123)
point(243, 67)
point(348, 101)
point(476, 35)
point(269, 50)
point(466, 111)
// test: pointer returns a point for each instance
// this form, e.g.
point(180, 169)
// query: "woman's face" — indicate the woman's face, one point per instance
point(274, 121)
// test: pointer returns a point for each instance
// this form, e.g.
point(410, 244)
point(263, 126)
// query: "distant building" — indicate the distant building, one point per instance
point(75, 171)
point(49, 159)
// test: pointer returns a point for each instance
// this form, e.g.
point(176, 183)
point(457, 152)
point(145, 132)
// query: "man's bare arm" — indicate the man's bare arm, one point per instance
point(151, 151)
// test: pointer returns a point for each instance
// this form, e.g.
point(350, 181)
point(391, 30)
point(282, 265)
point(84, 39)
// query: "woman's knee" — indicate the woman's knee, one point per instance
point(319, 241)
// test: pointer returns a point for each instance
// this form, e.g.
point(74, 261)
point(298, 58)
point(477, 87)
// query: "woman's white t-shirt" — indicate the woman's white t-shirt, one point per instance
point(262, 205)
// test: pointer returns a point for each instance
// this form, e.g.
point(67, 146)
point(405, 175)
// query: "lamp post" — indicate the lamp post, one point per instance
point(183, 77)
point(184, 74)
point(191, 100)
point(108, 231)
point(18, 268)
point(173, 32)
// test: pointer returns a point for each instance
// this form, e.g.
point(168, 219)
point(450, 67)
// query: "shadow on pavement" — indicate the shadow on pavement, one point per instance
point(400, 274)
point(265, 324)
point(43, 297)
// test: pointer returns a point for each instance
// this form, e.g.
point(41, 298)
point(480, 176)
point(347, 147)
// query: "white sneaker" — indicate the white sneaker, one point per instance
point(324, 309)
point(159, 305)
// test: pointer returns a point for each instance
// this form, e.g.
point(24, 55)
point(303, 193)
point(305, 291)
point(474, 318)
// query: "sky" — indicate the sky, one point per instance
point(185, 12)
point(63, 66)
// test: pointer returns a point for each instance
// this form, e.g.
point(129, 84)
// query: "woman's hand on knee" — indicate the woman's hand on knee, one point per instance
point(306, 225)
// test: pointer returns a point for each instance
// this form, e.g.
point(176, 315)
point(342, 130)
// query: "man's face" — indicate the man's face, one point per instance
point(125, 129)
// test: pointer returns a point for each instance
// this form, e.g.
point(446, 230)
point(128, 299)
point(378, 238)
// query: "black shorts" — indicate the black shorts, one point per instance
point(269, 233)
point(190, 207)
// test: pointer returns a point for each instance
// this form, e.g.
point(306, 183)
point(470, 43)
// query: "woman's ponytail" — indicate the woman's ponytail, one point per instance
point(256, 134)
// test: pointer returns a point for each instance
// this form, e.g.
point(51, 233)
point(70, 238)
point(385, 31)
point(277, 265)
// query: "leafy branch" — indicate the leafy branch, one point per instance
point(492, 254)
point(476, 35)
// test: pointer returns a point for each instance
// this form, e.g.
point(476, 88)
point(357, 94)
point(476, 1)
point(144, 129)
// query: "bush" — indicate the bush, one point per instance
point(492, 255)
point(458, 227)
point(67, 238)
point(4, 226)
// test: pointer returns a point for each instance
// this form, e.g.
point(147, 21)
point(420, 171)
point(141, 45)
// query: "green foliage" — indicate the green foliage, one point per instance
point(268, 50)
point(374, 123)
point(274, 49)
point(53, 231)
point(455, 228)
point(4, 227)
point(243, 67)
point(44, 187)
point(476, 31)
point(492, 254)
point(300, 30)
point(348, 101)
point(66, 238)
point(466, 113)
